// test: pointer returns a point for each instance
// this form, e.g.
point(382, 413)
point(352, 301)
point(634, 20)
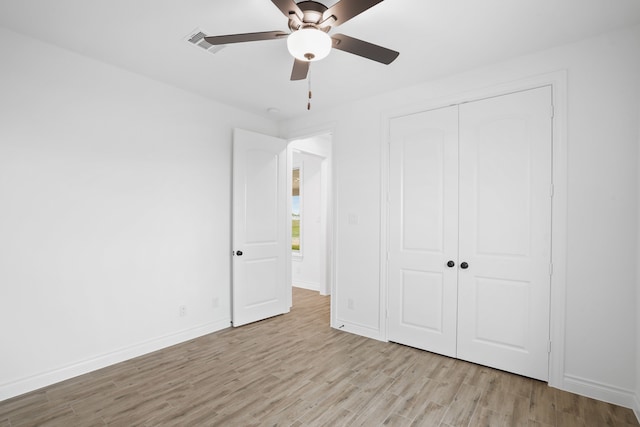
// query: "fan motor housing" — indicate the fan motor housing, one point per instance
point(312, 15)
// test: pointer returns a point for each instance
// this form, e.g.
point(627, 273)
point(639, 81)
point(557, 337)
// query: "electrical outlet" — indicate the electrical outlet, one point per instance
point(350, 304)
point(215, 303)
point(182, 310)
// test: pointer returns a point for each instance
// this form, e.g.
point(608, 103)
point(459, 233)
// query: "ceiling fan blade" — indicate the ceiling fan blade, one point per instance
point(246, 37)
point(364, 49)
point(300, 70)
point(347, 9)
point(287, 7)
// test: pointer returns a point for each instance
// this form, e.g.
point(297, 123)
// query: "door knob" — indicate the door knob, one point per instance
point(239, 253)
point(451, 264)
point(464, 265)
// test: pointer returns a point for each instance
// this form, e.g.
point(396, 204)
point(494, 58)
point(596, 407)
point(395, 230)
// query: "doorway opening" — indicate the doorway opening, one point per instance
point(310, 213)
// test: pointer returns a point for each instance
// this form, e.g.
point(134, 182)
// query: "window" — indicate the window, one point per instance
point(295, 210)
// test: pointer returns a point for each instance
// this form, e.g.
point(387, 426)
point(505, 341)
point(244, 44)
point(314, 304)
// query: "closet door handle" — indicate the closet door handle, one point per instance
point(451, 264)
point(464, 265)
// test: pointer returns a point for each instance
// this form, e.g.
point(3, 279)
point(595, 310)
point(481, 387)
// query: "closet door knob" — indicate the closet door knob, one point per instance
point(464, 265)
point(451, 264)
point(239, 253)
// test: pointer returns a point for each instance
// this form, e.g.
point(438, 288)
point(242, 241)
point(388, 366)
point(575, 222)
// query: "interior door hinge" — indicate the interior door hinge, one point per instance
point(548, 346)
point(553, 189)
point(388, 255)
point(551, 269)
point(553, 112)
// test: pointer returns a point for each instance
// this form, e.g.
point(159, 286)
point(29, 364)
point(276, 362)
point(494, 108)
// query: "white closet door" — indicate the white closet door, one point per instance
point(423, 235)
point(505, 232)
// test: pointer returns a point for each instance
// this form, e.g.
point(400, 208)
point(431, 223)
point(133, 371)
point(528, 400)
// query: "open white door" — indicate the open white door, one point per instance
point(259, 288)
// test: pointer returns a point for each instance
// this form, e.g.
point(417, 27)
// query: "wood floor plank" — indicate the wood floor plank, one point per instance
point(396, 420)
point(290, 413)
point(377, 411)
point(431, 414)
point(519, 412)
point(44, 414)
point(294, 370)
point(463, 406)
point(24, 403)
point(442, 393)
point(413, 408)
point(571, 404)
point(543, 404)
point(569, 420)
point(485, 417)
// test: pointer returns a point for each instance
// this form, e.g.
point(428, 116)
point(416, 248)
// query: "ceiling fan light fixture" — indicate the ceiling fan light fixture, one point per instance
point(309, 44)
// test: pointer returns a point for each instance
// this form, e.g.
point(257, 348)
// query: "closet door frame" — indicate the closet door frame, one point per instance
point(558, 82)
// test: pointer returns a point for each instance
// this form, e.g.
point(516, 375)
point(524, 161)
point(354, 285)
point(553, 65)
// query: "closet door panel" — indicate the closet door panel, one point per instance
point(505, 232)
point(423, 230)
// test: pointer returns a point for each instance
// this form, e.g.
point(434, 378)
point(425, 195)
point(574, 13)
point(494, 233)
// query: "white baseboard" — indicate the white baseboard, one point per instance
point(34, 382)
point(636, 407)
point(605, 392)
point(357, 329)
point(307, 285)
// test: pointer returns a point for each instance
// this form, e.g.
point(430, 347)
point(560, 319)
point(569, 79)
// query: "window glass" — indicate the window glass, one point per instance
point(295, 211)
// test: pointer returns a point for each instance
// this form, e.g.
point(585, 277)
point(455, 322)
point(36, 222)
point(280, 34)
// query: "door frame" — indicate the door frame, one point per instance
point(558, 82)
point(330, 200)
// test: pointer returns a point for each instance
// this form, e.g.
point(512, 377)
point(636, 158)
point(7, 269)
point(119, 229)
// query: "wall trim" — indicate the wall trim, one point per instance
point(34, 382)
point(357, 329)
point(312, 286)
point(558, 82)
point(602, 391)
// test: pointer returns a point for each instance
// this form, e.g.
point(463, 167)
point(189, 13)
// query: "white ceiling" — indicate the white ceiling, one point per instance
point(434, 38)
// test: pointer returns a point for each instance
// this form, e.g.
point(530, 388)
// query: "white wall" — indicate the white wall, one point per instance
point(319, 145)
point(602, 126)
point(115, 210)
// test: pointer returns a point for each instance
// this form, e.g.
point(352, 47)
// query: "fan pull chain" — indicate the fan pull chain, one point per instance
point(309, 80)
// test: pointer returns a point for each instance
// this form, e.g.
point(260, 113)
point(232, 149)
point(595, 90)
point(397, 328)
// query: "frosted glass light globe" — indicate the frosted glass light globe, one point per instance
point(309, 44)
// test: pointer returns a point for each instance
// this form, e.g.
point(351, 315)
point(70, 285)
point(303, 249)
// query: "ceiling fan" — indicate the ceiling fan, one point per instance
point(308, 41)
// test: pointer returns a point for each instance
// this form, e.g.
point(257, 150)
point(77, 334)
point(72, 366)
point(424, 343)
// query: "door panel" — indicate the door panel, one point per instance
point(505, 232)
point(423, 230)
point(503, 187)
point(422, 300)
point(259, 287)
point(261, 195)
point(265, 272)
point(502, 312)
point(422, 213)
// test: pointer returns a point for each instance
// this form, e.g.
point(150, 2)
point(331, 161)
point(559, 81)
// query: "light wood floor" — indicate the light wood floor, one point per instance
point(295, 370)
